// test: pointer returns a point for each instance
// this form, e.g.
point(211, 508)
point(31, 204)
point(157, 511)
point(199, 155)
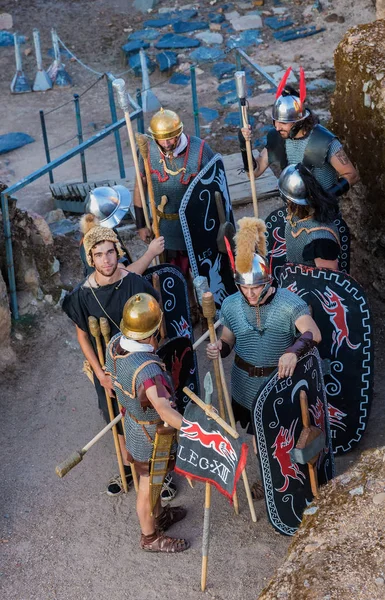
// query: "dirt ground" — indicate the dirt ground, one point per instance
point(66, 539)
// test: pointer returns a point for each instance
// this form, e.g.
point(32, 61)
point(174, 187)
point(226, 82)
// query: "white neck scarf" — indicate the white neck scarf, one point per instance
point(181, 145)
point(133, 346)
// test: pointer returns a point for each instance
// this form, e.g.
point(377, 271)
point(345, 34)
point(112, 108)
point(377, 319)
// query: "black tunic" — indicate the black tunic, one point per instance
point(81, 303)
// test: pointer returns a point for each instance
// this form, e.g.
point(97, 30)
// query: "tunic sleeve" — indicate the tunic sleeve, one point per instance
point(73, 309)
point(322, 248)
point(334, 147)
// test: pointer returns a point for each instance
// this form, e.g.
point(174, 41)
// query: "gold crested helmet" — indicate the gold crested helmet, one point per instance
point(142, 316)
point(165, 125)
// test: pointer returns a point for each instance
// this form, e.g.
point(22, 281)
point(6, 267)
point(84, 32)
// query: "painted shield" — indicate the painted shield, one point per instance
point(178, 356)
point(176, 308)
point(341, 311)
point(202, 225)
point(276, 243)
point(277, 421)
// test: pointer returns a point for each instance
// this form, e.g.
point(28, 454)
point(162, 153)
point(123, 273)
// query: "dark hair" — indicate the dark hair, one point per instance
point(324, 204)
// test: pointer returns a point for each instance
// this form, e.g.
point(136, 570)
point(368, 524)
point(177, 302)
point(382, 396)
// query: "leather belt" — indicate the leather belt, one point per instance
point(167, 216)
point(252, 370)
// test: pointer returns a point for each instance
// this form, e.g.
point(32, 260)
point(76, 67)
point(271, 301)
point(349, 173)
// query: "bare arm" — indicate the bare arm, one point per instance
point(262, 160)
point(344, 167)
point(307, 323)
point(89, 353)
point(164, 409)
point(155, 248)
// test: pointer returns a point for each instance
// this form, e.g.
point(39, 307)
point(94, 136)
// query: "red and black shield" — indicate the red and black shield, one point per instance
point(276, 242)
point(341, 311)
point(204, 226)
point(176, 309)
point(277, 422)
point(178, 356)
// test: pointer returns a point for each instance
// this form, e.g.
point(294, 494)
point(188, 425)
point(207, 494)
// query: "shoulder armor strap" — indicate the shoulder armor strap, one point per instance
point(276, 150)
point(317, 147)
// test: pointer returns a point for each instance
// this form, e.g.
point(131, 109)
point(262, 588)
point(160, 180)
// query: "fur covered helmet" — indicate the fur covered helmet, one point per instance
point(94, 233)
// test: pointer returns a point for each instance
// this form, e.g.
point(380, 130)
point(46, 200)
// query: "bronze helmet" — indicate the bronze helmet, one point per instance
point(142, 316)
point(165, 125)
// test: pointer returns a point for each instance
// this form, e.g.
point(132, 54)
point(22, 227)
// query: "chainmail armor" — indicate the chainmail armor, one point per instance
point(260, 339)
point(122, 369)
point(196, 156)
point(296, 245)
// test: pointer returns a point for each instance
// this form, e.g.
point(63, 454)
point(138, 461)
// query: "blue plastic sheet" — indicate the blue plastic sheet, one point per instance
point(207, 54)
point(278, 22)
point(144, 34)
point(223, 69)
point(135, 46)
point(208, 114)
point(297, 33)
point(134, 62)
point(12, 141)
point(7, 39)
point(179, 79)
point(171, 40)
point(244, 39)
point(233, 118)
point(186, 26)
point(166, 60)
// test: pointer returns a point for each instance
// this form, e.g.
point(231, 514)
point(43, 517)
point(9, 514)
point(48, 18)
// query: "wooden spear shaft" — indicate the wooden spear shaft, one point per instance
point(208, 308)
point(120, 87)
point(142, 141)
point(206, 518)
point(95, 332)
point(232, 423)
point(106, 333)
point(240, 82)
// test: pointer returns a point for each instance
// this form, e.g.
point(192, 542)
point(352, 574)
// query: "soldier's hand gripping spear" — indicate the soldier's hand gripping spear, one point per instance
point(240, 83)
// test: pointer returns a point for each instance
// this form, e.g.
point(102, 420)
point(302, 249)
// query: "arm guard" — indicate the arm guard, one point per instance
point(302, 345)
point(139, 217)
point(242, 145)
point(339, 188)
point(225, 350)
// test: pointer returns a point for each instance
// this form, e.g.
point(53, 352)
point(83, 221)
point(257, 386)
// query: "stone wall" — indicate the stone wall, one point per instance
point(358, 118)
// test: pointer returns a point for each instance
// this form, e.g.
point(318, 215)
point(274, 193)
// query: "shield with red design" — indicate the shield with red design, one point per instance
point(176, 309)
point(277, 421)
point(341, 311)
point(206, 217)
point(178, 356)
point(276, 243)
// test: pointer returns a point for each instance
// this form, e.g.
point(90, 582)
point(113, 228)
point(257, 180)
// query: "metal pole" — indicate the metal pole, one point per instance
point(239, 68)
point(9, 255)
point(80, 135)
point(195, 101)
point(114, 118)
point(45, 140)
point(140, 119)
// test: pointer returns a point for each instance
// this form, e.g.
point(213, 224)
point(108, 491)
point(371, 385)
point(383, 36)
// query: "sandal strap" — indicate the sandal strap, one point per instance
point(164, 543)
point(169, 516)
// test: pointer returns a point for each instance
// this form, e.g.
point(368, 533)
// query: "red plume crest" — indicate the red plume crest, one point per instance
point(281, 86)
point(302, 86)
point(230, 254)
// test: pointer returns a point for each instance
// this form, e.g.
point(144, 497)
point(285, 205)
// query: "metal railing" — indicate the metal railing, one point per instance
point(48, 168)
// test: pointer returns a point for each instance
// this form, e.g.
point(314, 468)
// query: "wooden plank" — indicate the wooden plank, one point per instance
point(239, 185)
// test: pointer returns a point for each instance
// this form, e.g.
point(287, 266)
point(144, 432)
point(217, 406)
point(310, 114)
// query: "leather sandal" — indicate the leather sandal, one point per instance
point(163, 543)
point(169, 516)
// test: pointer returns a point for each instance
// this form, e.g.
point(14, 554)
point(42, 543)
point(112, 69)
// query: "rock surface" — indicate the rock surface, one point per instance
point(358, 118)
point(342, 542)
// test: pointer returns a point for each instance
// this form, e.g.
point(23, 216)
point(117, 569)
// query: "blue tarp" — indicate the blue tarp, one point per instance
point(223, 69)
point(278, 22)
point(244, 39)
point(144, 34)
point(171, 40)
point(7, 39)
point(12, 141)
point(166, 60)
point(208, 114)
point(179, 79)
point(186, 26)
point(207, 54)
point(135, 46)
point(297, 33)
point(134, 62)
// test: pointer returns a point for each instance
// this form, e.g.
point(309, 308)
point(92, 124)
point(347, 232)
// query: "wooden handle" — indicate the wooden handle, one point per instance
point(156, 286)
point(304, 408)
point(142, 141)
point(144, 152)
point(208, 306)
point(210, 412)
point(250, 164)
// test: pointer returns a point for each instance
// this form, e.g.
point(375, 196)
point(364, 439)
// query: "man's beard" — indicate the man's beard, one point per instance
point(283, 134)
point(106, 274)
